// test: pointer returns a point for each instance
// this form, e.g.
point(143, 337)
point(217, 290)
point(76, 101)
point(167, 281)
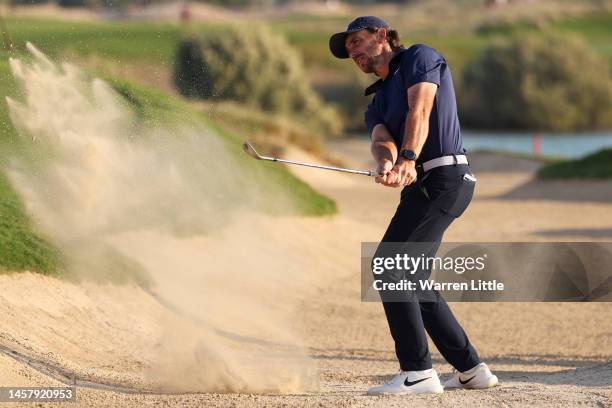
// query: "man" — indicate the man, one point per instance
point(416, 141)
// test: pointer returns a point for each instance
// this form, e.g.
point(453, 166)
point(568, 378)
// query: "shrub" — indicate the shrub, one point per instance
point(597, 165)
point(254, 67)
point(544, 82)
point(508, 26)
point(72, 3)
point(27, 2)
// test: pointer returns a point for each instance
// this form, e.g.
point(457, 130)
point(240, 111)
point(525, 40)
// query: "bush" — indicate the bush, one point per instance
point(72, 3)
point(27, 2)
point(253, 67)
point(594, 166)
point(508, 26)
point(538, 82)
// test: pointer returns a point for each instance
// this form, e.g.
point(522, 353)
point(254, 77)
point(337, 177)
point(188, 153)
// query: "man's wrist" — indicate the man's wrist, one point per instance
point(403, 161)
point(384, 163)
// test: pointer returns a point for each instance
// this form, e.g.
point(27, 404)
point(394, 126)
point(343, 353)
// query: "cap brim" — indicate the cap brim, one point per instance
point(336, 44)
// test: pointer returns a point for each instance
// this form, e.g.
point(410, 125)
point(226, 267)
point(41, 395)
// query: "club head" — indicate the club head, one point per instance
point(250, 150)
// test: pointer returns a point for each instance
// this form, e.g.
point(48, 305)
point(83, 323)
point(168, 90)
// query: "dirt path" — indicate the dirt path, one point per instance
point(545, 354)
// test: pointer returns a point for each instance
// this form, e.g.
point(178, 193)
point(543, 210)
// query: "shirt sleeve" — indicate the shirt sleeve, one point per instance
point(422, 64)
point(372, 116)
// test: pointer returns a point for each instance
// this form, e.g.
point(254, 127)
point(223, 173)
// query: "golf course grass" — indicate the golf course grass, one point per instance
point(21, 248)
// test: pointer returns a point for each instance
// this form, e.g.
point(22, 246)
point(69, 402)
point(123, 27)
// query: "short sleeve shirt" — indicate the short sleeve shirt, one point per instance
point(409, 66)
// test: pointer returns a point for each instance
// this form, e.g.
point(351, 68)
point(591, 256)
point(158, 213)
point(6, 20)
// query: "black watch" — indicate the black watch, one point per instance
point(408, 155)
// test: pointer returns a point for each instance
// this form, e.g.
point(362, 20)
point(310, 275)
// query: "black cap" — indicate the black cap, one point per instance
point(336, 42)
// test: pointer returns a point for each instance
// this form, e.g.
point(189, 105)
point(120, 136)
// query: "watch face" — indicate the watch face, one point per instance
point(409, 154)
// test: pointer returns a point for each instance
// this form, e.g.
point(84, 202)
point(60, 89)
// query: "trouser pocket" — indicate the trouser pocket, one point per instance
point(451, 195)
point(465, 192)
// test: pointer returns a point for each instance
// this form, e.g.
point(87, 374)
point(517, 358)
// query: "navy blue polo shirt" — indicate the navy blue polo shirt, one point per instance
point(409, 66)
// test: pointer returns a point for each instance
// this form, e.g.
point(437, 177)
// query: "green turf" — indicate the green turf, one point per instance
point(119, 41)
point(594, 166)
point(595, 29)
point(303, 199)
point(21, 248)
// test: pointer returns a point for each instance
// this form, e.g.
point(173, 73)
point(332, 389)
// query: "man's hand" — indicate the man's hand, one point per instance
point(402, 174)
point(383, 169)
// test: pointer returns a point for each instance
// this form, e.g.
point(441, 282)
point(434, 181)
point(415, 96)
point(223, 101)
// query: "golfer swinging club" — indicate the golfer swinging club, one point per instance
point(416, 141)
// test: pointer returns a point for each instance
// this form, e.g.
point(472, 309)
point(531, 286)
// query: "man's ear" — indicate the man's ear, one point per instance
point(381, 35)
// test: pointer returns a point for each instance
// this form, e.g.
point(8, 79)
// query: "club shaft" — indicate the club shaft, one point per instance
point(318, 166)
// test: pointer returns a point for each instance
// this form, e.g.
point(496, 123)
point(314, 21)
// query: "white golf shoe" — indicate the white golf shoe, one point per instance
point(410, 382)
point(478, 377)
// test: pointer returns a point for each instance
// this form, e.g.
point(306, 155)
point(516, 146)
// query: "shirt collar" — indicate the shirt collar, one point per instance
point(393, 63)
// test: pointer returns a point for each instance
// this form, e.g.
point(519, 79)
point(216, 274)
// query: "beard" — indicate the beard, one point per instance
point(365, 63)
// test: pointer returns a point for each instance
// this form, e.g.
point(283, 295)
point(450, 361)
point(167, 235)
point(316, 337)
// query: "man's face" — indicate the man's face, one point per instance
point(363, 47)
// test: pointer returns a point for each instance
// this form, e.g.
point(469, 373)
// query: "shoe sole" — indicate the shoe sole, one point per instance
point(436, 391)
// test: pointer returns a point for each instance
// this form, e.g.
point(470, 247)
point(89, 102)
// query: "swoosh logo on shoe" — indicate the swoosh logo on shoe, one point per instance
point(466, 381)
point(410, 383)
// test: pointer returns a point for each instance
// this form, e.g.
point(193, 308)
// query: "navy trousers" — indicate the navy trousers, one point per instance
point(427, 207)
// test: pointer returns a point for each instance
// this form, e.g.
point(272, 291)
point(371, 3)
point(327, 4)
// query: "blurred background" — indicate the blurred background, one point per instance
point(120, 161)
point(532, 76)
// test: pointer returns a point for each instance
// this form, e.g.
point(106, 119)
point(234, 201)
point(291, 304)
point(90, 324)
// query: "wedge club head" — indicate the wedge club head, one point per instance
point(250, 150)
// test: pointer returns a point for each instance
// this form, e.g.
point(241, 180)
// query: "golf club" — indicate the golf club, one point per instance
point(250, 150)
